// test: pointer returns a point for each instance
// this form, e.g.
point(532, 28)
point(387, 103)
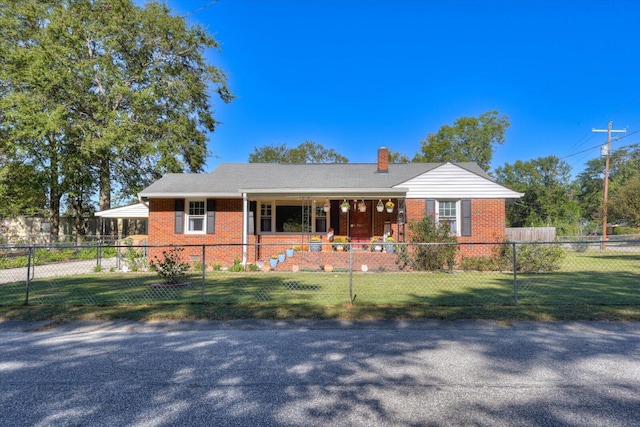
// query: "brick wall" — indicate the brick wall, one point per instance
point(228, 231)
point(488, 224)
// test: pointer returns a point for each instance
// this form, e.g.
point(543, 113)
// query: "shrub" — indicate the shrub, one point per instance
point(534, 258)
point(171, 267)
point(134, 256)
point(482, 263)
point(236, 267)
point(624, 230)
point(580, 246)
point(426, 256)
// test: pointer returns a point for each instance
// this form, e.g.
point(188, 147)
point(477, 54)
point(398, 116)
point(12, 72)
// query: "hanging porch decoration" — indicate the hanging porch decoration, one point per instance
point(389, 206)
point(362, 206)
point(344, 207)
point(380, 206)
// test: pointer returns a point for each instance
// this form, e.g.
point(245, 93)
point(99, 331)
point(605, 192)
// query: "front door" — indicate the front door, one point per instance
point(360, 224)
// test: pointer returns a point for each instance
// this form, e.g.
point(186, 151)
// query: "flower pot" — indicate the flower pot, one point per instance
point(344, 209)
point(273, 262)
point(377, 247)
point(315, 246)
point(389, 210)
point(289, 253)
point(389, 248)
point(281, 257)
point(339, 248)
point(259, 264)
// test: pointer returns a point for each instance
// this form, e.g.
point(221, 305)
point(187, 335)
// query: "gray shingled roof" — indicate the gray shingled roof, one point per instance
point(229, 178)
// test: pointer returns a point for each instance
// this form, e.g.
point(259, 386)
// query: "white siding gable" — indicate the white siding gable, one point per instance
point(451, 181)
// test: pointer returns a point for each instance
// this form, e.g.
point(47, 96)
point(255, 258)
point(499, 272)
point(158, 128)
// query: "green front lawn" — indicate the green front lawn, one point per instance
point(585, 279)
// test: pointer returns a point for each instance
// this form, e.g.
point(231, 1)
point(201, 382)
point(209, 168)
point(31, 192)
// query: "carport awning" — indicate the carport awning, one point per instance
point(137, 211)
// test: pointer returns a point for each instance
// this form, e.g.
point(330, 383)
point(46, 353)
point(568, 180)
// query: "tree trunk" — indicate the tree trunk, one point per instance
point(105, 185)
point(54, 192)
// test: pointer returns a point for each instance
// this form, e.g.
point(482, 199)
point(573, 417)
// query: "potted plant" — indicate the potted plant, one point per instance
point(315, 244)
point(273, 262)
point(289, 252)
point(376, 244)
point(389, 246)
point(344, 206)
point(260, 264)
point(380, 206)
point(362, 206)
point(389, 206)
point(339, 243)
point(281, 257)
point(327, 206)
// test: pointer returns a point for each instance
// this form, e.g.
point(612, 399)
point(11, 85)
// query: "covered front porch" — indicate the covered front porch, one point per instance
point(301, 219)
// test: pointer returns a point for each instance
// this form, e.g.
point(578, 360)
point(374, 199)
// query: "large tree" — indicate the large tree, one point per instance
point(104, 89)
point(550, 195)
point(470, 139)
point(624, 204)
point(623, 165)
point(306, 152)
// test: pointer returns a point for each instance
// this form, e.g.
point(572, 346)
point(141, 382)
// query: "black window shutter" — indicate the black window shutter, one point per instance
point(430, 207)
point(465, 207)
point(178, 223)
point(211, 216)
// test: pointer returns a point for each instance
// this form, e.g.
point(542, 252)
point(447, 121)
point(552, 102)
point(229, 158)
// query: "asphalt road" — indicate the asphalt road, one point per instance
point(320, 373)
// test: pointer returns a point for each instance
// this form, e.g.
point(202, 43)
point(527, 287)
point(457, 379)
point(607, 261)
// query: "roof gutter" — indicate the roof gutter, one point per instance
point(328, 192)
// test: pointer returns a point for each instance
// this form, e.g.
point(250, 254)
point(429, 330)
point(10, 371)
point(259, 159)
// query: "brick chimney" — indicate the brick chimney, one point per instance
point(383, 160)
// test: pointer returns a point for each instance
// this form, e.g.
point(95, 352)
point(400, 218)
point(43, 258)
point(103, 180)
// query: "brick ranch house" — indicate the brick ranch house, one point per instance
point(252, 205)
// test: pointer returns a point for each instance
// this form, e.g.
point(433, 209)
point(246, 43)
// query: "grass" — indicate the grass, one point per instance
point(589, 285)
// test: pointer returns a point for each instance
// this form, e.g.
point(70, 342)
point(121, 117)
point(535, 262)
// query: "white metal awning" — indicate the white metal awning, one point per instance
point(137, 211)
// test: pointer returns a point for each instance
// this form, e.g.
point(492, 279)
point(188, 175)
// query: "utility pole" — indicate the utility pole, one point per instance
point(606, 151)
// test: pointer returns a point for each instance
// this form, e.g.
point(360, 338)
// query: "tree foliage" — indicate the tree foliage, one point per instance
point(550, 196)
point(106, 89)
point(470, 139)
point(398, 157)
point(306, 152)
point(623, 166)
point(21, 190)
point(624, 204)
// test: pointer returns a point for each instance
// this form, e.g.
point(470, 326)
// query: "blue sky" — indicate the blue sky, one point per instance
point(354, 75)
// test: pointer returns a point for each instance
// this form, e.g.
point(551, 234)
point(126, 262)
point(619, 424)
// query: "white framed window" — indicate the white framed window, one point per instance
point(320, 220)
point(266, 217)
point(448, 215)
point(290, 216)
point(196, 217)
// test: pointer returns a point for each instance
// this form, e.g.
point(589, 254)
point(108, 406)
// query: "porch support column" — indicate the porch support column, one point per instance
point(245, 225)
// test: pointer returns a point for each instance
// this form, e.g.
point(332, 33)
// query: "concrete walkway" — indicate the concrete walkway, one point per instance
point(68, 268)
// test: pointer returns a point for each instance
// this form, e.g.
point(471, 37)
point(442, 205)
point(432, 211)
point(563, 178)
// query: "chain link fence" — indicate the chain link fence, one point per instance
point(380, 273)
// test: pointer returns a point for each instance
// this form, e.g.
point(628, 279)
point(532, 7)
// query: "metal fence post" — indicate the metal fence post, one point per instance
point(29, 256)
point(204, 269)
point(350, 247)
point(515, 274)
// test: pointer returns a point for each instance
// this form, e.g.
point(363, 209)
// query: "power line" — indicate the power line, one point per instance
point(200, 9)
point(600, 145)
